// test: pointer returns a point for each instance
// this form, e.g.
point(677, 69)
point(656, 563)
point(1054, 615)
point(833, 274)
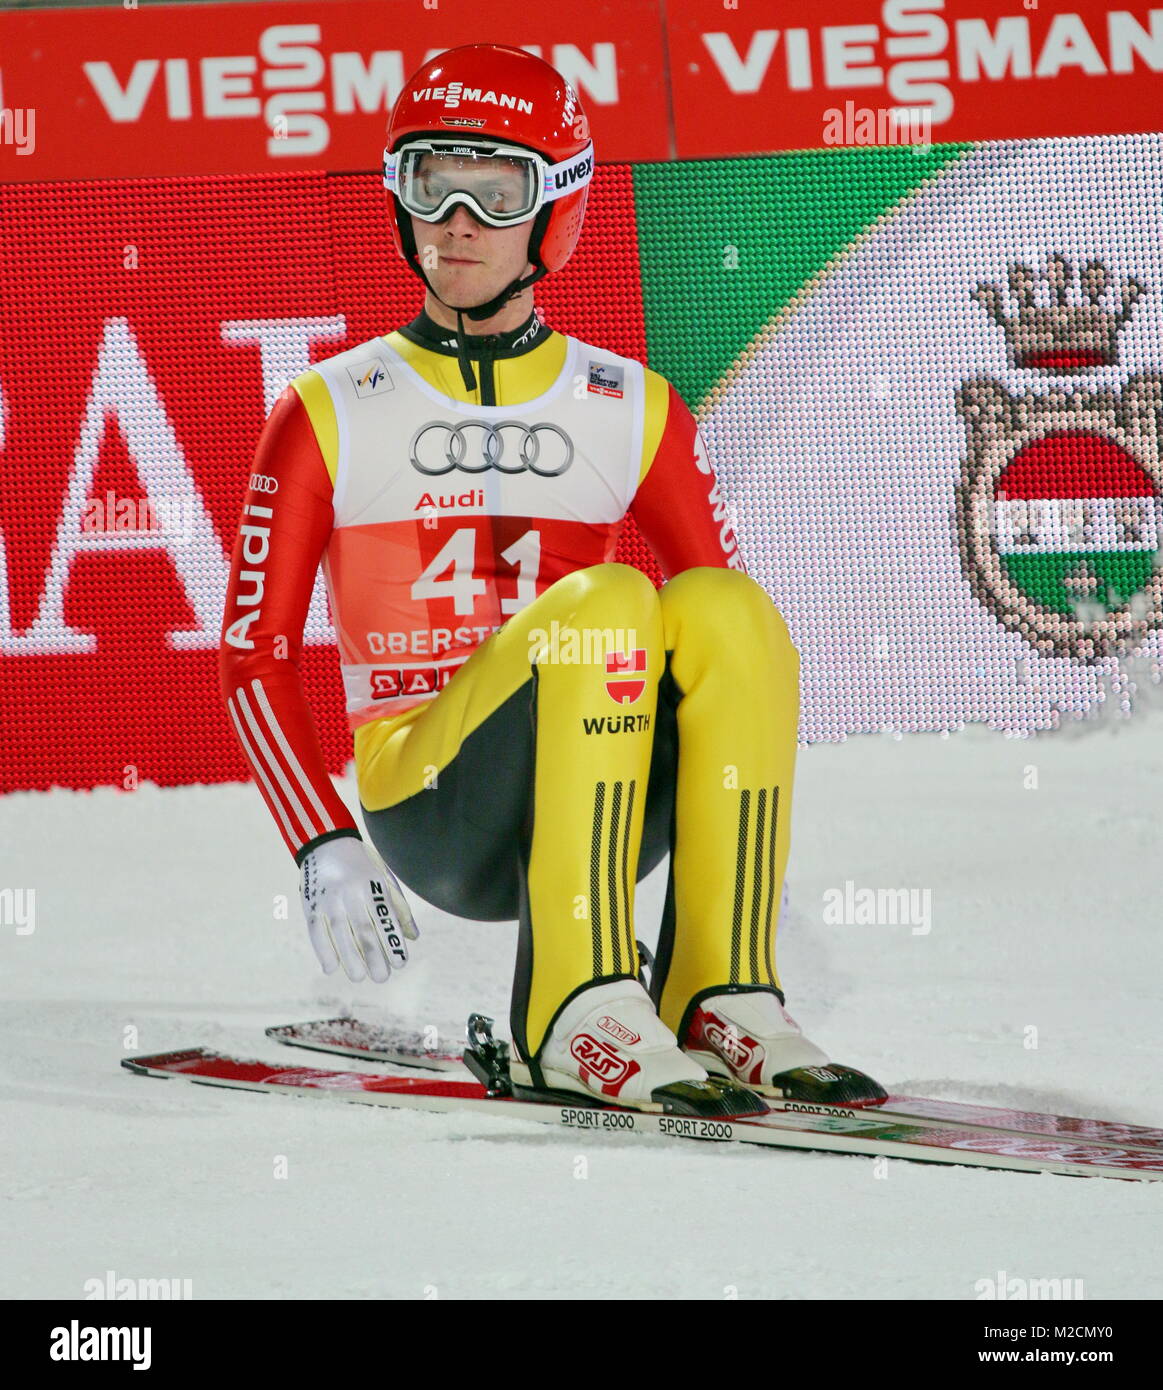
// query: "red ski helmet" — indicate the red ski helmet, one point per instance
point(488, 95)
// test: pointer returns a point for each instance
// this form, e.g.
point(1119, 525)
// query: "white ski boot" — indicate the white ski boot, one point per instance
point(608, 1046)
point(752, 1039)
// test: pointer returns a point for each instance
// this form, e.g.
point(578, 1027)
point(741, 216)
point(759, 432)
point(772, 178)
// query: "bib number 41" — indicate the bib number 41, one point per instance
point(463, 585)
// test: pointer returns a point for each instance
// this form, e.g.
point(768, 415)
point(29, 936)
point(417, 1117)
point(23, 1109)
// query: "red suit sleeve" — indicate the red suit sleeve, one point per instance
point(678, 506)
point(286, 519)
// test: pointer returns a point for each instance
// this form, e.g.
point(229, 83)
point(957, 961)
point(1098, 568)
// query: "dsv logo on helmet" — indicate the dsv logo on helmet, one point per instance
point(475, 446)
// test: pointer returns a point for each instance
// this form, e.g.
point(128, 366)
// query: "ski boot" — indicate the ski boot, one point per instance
point(751, 1038)
point(609, 1047)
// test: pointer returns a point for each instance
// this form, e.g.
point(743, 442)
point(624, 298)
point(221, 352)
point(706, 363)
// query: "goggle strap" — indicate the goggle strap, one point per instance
point(570, 175)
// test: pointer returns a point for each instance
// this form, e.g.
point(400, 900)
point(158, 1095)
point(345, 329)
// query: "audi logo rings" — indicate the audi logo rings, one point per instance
point(445, 446)
point(262, 482)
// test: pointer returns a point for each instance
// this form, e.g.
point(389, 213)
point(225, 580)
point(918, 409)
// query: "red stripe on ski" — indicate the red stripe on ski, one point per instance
point(198, 1061)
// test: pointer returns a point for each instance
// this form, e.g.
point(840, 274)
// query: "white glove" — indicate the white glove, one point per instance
point(357, 915)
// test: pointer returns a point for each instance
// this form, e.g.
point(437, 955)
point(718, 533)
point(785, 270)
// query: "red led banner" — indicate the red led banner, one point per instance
point(219, 89)
point(145, 329)
point(785, 76)
point(198, 89)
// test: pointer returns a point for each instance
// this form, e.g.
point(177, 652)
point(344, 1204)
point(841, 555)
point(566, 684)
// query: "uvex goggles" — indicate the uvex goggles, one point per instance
point(500, 184)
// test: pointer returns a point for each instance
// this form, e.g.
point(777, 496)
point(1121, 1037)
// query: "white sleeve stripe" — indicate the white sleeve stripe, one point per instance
point(260, 772)
point(273, 765)
point(304, 781)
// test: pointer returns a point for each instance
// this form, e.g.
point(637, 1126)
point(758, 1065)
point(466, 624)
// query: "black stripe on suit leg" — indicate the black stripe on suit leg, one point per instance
point(769, 920)
point(523, 971)
point(631, 947)
point(757, 884)
point(612, 877)
point(596, 876)
point(740, 870)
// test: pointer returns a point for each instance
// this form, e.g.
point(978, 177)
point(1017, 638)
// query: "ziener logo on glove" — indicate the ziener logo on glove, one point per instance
point(384, 913)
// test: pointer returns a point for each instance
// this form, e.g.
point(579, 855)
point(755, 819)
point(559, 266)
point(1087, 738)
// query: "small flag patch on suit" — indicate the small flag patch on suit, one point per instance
point(606, 379)
point(629, 685)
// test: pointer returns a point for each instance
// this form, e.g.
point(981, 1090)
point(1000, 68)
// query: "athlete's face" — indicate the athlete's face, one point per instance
point(467, 261)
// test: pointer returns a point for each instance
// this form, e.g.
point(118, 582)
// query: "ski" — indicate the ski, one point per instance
point(866, 1134)
point(374, 1042)
point(351, 1037)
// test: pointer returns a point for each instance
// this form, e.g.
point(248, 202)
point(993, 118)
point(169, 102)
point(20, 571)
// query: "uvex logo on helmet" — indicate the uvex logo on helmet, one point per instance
point(572, 172)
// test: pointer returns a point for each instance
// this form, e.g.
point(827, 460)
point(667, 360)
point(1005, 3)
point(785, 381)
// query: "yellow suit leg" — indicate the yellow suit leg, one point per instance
point(594, 734)
point(738, 676)
point(593, 730)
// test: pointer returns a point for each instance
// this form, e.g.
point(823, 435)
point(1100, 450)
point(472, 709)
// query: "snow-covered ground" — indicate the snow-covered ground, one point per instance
point(157, 926)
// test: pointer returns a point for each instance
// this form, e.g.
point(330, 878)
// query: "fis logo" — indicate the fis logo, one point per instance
point(370, 376)
point(629, 683)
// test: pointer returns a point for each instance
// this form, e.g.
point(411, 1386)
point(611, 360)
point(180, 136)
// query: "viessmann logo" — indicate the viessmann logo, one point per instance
point(295, 85)
point(456, 92)
point(918, 50)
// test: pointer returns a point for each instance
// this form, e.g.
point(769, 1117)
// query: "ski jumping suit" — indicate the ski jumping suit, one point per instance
point(535, 726)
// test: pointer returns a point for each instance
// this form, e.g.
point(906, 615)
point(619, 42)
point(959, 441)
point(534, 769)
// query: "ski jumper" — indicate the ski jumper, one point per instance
point(534, 725)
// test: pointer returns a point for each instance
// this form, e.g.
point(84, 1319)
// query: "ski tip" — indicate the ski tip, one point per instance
point(134, 1065)
point(160, 1062)
point(279, 1031)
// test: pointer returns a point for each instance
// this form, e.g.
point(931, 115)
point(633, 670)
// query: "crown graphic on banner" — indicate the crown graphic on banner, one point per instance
point(1063, 335)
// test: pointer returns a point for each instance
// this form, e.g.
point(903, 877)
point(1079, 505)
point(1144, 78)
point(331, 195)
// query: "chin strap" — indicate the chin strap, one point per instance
point(478, 312)
point(466, 371)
